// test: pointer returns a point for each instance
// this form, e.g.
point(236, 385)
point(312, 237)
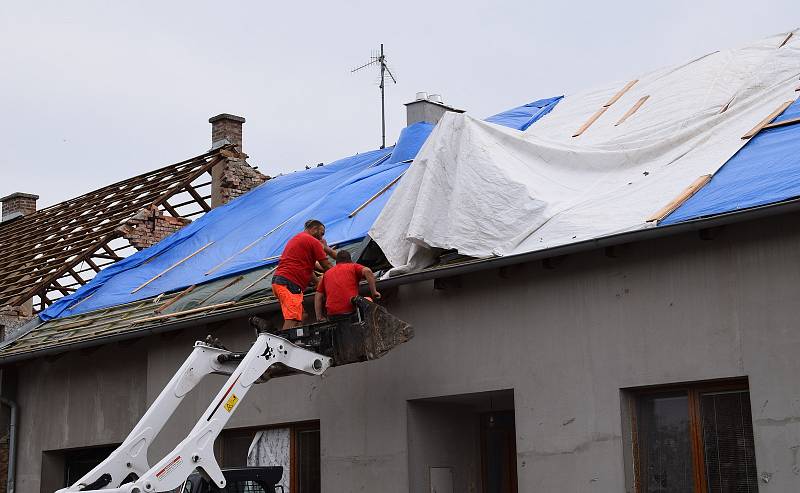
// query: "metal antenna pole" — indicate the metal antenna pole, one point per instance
point(383, 107)
point(380, 59)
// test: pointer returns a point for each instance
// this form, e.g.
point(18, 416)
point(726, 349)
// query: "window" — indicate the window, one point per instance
point(295, 447)
point(61, 468)
point(693, 438)
point(305, 459)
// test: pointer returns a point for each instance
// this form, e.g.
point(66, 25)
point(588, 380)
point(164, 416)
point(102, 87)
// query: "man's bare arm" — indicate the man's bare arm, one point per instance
point(328, 250)
point(370, 277)
point(325, 264)
point(319, 301)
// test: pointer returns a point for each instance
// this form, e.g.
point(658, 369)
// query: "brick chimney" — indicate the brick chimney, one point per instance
point(18, 204)
point(427, 108)
point(226, 127)
point(233, 176)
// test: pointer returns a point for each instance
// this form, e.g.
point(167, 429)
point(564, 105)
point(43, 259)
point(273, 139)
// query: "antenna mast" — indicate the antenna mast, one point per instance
point(380, 59)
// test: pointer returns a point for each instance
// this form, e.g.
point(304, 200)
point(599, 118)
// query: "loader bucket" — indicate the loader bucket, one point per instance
point(368, 334)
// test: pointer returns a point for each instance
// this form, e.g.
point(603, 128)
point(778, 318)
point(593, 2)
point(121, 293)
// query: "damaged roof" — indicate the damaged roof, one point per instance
point(182, 282)
point(54, 251)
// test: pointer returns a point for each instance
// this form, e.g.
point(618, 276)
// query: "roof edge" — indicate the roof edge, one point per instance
point(469, 267)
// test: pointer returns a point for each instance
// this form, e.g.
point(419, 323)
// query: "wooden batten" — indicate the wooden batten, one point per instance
point(378, 194)
point(175, 298)
point(247, 247)
point(766, 121)
point(184, 312)
point(591, 120)
point(173, 266)
point(680, 199)
point(784, 123)
point(620, 93)
point(727, 105)
point(633, 109)
point(260, 278)
point(604, 108)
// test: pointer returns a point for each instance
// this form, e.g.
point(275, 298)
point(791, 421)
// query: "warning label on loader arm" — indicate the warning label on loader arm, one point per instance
point(231, 403)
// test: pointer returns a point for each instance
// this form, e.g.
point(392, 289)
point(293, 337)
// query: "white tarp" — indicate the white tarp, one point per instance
point(485, 190)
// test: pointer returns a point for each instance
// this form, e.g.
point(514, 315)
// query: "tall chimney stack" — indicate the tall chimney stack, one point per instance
point(226, 127)
point(232, 177)
point(427, 108)
point(18, 204)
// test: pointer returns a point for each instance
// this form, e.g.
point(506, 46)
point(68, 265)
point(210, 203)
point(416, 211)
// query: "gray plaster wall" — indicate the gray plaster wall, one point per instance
point(426, 111)
point(443, 435)
point(565, 339)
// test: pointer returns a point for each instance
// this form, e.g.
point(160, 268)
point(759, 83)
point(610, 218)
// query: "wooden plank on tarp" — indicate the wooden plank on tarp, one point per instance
point(633, 109)
point(766, 121)
point(680, 199)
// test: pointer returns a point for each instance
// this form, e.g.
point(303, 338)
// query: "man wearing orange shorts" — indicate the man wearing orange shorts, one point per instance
point(296, 268)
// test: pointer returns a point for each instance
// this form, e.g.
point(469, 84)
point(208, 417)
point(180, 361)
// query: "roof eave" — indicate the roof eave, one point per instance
point(463, 268)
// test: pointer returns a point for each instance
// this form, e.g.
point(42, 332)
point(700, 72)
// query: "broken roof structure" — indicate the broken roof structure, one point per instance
point(543, 179)
point(54, 251)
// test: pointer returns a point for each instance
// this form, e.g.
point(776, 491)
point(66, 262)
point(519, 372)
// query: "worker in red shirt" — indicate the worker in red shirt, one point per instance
point(339, 285)
point(296, 269)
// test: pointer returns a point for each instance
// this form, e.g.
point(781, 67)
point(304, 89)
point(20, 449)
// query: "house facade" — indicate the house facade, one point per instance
point(592, 370)
point(659, 355)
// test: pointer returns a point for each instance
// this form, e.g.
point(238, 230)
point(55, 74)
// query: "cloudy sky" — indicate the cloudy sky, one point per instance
point(95, 92)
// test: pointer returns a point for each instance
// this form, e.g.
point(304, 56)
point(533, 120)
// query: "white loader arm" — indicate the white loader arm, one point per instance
point(196, 450)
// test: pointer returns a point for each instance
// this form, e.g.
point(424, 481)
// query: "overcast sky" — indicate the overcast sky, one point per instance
point(95, 92)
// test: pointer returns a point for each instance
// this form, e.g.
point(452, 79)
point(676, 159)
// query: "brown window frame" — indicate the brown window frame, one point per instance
point(693, 391)
point(294, 428)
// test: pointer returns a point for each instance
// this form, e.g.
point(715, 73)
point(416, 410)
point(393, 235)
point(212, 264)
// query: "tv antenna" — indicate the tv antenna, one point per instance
point(380, 59)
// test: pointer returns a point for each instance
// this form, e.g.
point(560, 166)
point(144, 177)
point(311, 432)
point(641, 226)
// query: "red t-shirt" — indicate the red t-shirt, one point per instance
point(339, 284)
point(298, 258)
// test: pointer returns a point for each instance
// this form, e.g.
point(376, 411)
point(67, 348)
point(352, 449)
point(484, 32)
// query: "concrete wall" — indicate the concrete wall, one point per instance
point(426, 111)
point(566, 340)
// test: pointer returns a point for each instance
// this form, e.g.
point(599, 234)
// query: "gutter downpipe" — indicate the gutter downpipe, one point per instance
point(12, 444)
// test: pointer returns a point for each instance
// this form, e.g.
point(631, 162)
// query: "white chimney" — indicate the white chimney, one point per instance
point(427, 108)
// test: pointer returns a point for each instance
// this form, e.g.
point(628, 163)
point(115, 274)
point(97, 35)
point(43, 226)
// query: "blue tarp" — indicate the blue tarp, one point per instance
point(523, 116)
point(766, 170)
point(243, 233)
point(252, 230)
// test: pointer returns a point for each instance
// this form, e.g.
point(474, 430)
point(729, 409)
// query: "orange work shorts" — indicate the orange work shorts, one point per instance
point(291, 304)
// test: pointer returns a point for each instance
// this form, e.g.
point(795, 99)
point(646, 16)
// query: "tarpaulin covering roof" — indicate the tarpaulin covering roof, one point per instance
point(765, 171)
point(524, 116)
point(603, 161)
point(251, 231)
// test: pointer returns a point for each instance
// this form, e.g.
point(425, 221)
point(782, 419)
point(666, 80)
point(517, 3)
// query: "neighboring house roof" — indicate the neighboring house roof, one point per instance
point(54, 251)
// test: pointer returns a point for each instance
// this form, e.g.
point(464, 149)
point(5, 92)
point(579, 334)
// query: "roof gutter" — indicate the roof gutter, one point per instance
point(477, 265)
point(448, 271)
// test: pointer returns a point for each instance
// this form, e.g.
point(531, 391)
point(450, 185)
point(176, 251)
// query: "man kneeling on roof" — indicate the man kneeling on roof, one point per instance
point(339, 285)
point(296, 269)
